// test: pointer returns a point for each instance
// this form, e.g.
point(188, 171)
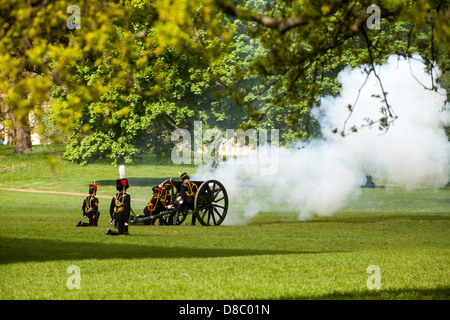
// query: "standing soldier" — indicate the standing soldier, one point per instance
point(120, 207)
point(90, 208)
point(188, 190)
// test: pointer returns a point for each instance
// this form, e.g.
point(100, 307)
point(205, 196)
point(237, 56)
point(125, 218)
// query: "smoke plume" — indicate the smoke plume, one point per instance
point(322, 176)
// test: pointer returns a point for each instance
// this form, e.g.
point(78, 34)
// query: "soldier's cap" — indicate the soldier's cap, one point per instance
point(184, 176)
point(167, 185)
point(121, 183)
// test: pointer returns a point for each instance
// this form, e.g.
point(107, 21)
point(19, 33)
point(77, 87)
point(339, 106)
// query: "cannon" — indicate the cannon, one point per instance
point(210, 205)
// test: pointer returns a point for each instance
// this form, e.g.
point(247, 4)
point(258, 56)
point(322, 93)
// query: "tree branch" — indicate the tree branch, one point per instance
point(281, 25)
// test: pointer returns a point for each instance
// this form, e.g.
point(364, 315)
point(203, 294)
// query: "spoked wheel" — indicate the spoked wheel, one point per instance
point(211, 203)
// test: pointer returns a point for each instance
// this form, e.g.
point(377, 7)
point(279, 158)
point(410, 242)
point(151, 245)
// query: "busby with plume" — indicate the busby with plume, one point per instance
point(92, 188)
point(122, 183)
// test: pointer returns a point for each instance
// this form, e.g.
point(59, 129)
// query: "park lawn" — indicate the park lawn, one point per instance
point(45, 169)
point(272, 256)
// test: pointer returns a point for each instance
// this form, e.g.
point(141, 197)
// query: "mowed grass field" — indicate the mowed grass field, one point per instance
point(406, 235)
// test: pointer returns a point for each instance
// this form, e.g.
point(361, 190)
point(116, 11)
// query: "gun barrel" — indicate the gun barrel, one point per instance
point(161, 214)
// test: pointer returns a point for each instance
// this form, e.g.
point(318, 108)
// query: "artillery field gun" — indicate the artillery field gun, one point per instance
point(210, 205)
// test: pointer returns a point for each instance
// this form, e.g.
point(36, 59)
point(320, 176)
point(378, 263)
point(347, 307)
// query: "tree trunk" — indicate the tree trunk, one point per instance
point(23, 139)
point(22, 135)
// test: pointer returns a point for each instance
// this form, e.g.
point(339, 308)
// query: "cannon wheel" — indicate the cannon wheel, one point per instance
point(211, 203)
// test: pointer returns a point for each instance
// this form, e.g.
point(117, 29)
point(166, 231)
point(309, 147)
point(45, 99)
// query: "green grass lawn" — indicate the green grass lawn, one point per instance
point(273, 256)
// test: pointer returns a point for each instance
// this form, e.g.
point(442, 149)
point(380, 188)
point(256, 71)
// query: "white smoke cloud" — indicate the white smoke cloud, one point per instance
point(323, 176)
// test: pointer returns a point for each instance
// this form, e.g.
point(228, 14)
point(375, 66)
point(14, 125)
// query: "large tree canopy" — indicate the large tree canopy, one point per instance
point(308, 42)
point(137, 62)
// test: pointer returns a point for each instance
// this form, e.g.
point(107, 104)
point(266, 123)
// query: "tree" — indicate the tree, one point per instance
point(36, 40)
point(137, 122)
point(193, 88)
point(39, 38)
point(308, 42)
point(304, 44)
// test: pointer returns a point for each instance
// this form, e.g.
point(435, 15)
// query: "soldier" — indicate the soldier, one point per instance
point(154, 206)
point(120, 207)
point(166, 193)
point(188, 190)
point(90, 208)
point(166, 199)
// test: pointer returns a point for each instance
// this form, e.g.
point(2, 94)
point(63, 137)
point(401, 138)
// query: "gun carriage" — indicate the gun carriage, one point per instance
point(210, 205)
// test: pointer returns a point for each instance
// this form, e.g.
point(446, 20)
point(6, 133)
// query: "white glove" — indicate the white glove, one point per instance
point(181, 202)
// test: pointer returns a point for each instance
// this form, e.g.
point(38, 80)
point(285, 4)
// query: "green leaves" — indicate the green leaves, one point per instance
point(145, 67)
point(307, 43)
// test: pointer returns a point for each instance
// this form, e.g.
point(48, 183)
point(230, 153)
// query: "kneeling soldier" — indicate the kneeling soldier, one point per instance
point(120, 207)
point(153, 207)
point(90, 208)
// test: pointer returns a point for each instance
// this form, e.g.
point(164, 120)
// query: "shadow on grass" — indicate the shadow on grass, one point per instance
point(439, 293)
point(41, 250)
point(269, 218)
point(367, 218)
point(134, 182)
